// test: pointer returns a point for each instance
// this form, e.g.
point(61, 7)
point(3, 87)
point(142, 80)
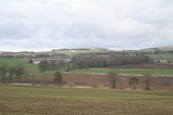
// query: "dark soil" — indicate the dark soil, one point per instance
point(158, 83)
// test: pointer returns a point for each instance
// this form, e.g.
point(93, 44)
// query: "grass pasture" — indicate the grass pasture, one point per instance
point(15, 100)
point(162, 56)
point(148, 50)
point(124, 71)
point(12, 62)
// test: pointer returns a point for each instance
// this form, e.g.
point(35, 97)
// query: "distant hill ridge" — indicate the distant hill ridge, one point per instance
point(166, 48)
point(94, 48)
point(85, 48)
point(98, 48)
point(158, 48)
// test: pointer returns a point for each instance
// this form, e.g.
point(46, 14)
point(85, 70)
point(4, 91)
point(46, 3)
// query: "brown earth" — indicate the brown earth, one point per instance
point(159, 83)
point(144, 66)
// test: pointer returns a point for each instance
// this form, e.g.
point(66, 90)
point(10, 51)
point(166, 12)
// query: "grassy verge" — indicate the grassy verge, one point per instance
point(16, 100)
point(132, 71)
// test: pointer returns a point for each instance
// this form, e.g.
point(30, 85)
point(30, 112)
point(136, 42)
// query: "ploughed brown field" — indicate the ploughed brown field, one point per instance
point(159, 83)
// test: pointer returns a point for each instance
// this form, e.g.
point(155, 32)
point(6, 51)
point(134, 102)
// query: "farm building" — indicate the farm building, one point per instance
point(36, 62)
point(56, 61)
point(161, 61)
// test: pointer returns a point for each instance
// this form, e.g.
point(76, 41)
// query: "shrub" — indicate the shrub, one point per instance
point(70, 84)
point(134, 81)
point(93, 82)
point(44, 80)
point(100, 86)
point(58, 78)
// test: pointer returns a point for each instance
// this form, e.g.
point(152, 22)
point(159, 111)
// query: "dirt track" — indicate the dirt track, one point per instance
point(160, 83)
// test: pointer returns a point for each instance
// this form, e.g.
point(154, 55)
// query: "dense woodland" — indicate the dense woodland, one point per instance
point(93, 61)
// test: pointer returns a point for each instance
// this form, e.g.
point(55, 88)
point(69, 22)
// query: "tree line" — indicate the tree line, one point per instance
point(12, 71)
point(45, 65)
point(113, 77)
point(163, 51)
point(93, 61)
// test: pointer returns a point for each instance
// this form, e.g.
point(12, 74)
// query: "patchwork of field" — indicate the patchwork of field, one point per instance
point(154, 68)
point(84, 77)
point(15, 100)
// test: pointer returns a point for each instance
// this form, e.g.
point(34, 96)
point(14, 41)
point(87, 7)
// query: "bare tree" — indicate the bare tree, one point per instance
point(11, 72)
point(20, 70)
point(148, 80)
point(93, 82)
point(113, 77)
point(31, 73)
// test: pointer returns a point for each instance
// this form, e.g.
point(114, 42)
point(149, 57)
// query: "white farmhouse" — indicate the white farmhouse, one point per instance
point(36, 62)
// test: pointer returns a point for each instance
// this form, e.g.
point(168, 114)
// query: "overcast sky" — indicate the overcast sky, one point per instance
point(120, 24)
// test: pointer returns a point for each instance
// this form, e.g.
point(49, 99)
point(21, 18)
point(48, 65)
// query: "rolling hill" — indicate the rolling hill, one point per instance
point(157, 48)
point(98, 49)
point(166, 48)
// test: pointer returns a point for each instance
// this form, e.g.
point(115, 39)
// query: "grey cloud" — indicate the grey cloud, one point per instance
point(119, 24)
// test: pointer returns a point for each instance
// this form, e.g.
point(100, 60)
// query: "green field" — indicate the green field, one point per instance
point(12, 62)
point(131, 72)
point(39, 100)
point(148, 50)
point(163, 56)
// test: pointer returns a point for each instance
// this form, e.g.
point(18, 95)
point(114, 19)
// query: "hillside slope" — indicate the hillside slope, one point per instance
point(166, 48)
